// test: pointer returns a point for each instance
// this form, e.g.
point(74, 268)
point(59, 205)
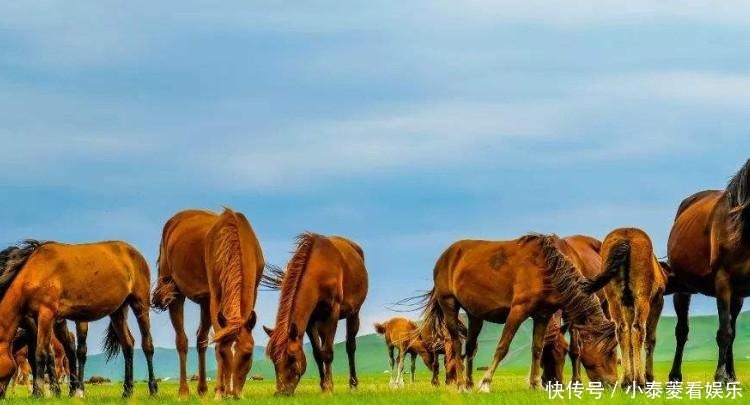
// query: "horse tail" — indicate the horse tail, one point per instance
point(229, 263)
point(164, 294)
point(618, 258)
point(433, 319)
point(379, 328)
point(111, 343)
point(166, 290)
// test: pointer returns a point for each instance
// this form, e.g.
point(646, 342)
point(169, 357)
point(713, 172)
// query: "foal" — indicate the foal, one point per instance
point(403, 335)
point(634, 283)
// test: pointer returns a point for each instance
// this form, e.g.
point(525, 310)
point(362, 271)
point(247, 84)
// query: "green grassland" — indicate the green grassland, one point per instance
point(509, 386)
point(371, 352)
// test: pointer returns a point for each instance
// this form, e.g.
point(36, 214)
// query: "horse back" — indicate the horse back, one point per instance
point(354, 274)
point(689, 244)
point(182, 252)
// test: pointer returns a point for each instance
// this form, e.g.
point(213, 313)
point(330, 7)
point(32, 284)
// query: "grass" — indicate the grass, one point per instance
point(509, 387)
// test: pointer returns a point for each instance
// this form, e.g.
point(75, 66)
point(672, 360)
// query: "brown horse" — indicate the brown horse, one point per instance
point(402, 335)
point(508, 282)
point(709, 253)
point(634, 283)
point(554, 351)
point(325, 281)
point(216, 261)
point(49, 281)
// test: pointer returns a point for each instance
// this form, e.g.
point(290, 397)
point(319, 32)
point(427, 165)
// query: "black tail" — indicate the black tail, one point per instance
point(619, 258)
point(111, 343)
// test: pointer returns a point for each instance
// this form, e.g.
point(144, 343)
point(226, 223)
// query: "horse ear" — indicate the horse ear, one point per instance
point(293, 331)
point(250, 323)
point(268, 330)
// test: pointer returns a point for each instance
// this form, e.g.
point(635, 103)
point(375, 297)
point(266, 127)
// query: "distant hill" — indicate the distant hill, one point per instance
point(371, 352)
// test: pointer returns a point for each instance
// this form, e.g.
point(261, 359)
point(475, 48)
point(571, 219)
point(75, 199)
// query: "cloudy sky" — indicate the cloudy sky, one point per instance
point(402, 128)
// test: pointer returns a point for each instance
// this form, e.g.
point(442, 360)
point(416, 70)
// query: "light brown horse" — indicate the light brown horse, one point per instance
point(402, 336)
point(634, 283)
point(216, 261)
point(508, 282)
point(325, 281)
point(85, 282)
point(709, 253)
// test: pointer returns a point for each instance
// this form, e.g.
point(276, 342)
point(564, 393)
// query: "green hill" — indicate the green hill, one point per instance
point(371, 353)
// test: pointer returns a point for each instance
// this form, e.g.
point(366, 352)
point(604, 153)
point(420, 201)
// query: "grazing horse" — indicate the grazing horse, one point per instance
point(48, 281)
point(709, 253)
point(554, 351)
point(508, 282)
point(403, 335)
point(325, 281)
point(216, 261)
point(634, 283)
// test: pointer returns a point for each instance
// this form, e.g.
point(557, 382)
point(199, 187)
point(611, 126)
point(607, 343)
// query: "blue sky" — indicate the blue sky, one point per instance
point(404, 128)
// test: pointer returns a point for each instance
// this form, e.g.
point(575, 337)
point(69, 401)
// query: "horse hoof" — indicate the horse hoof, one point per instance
point(77, 393)
point(484, 387)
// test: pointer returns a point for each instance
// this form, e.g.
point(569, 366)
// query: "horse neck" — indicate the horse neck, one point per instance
point(305, 301)
point(10, 313)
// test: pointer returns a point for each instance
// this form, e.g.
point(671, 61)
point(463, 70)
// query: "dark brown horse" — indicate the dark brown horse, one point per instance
point(325, 281)
point(51, 281)
point(216, 261)
point(709, 253)
point(508, 282)
point(634, 283)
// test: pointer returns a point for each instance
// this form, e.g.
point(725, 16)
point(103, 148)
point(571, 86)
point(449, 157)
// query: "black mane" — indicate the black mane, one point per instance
point(12, 260)
point(738, 197)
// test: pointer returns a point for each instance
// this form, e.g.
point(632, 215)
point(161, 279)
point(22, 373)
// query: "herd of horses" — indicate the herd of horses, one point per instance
point(603, 294)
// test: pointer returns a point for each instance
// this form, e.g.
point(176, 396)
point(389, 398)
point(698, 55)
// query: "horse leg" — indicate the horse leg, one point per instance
point(475, 327)
point(413, 368)
point(399, 382)
point(176, 315)
point(119, 323)
point(736, 308)
point(449, 306)
point(352, 328)
point(82, 331)
point(638, 337)
point(681, 307)
point(392, 363)
point(202, 345)
point(623, 324)
point(724, 333)
point(314, 336)
point(537, 344)
point(653, 321)
point(327, 333)
point(435, 367)
point(517, 315)
point(140, 306)
point(61, 331)
point(43, 354)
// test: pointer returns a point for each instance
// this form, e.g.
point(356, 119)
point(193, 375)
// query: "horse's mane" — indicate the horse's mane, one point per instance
point(12, 260)
point(738, 196)
point(288, 282)
point(231, 278)
point(582, 309)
